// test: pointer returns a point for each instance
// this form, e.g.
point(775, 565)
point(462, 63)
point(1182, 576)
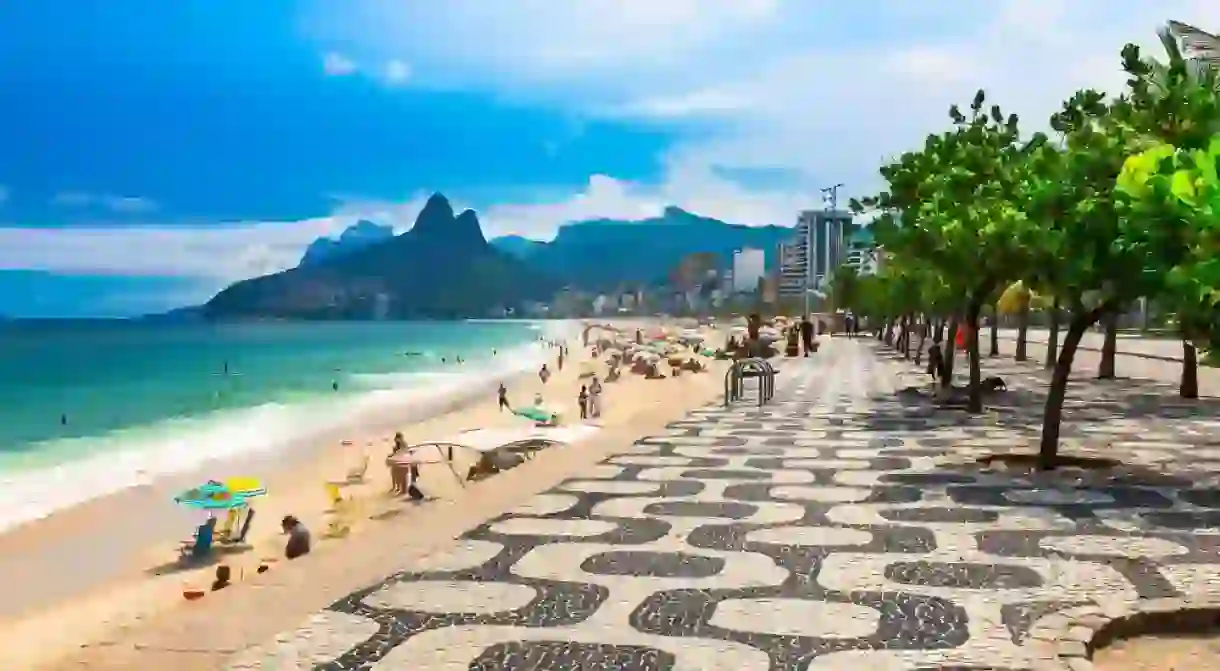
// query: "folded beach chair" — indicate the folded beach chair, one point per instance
point(538, 415)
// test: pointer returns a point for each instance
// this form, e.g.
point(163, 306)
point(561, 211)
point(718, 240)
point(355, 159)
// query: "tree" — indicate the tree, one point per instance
point(845, 288)
point(1092, 259)
point(1175, 106)
point(1166, 187)
point(952, 206)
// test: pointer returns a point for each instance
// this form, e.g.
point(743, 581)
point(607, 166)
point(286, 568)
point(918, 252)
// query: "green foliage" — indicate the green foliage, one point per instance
point(952, 206)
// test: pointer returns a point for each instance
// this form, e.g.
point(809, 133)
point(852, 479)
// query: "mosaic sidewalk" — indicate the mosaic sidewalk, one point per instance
point(818, 533)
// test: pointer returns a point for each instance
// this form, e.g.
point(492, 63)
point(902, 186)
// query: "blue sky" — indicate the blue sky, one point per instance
point(153, 151)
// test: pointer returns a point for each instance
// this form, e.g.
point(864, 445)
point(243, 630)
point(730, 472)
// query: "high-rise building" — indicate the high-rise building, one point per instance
point(861, 252)
point(818, 247)
point(749, 266)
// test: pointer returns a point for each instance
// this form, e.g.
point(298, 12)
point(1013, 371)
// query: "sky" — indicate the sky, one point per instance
point(152, 152)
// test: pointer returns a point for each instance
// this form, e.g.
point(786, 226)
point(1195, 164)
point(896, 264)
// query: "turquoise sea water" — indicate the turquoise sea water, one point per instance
point(147, 395)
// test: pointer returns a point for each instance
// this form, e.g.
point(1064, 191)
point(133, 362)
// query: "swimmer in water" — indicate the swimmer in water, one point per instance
point(63, 420)
point(335, 385)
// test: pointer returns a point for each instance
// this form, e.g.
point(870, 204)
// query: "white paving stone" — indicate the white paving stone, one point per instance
point(1113, 546)
point(821, 494)
point(533, 526)
point(463, 554)
point(797, 617)
point(447, 596)
point(611, 486)
point(810, 536)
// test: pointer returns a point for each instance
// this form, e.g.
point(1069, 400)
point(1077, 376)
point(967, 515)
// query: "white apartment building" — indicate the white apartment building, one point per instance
point(817, 248)
point(749, 266)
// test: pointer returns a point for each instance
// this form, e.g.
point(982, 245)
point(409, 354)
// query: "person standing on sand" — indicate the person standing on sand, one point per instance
point(559, 365)
point(544, 374)
point(582, 399)
point(503, 397)
point(595, 398)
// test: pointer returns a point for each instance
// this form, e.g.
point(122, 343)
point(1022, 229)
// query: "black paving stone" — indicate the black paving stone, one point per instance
point(1185, 520)
point(557, 655)
point(725, 474)
point(940, 515)
point(926, 479)
point(653, 564)
point(963, 575)
point(729, 510)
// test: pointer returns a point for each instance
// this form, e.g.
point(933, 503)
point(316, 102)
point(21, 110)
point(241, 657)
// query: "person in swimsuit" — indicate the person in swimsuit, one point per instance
point(503, 398)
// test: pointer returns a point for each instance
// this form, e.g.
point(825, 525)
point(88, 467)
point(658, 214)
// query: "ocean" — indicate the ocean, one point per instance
point(89, 408)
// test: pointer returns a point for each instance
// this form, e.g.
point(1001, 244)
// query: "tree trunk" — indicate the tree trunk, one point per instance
point(1048, 451)
point(975, 404)
point(906, 336)
point(995, 335)
point(1052, 340)
point(1189, 387)
point(940, 330)
point(1023, 333)
point(889, 332)
point(950, 349)
point(923, 337)
point(1109, 347)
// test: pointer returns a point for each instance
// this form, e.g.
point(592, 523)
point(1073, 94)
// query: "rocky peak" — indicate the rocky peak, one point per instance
point(435, 219)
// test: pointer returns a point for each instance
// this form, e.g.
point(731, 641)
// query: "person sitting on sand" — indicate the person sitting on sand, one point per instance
point(224, 575)
point(298, 537)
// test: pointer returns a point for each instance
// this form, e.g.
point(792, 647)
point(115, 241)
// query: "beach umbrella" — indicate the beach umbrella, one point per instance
point(211, 496)
point(245, 487)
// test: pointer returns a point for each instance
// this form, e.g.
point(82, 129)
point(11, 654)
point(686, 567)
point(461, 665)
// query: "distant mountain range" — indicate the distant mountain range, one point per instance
point(604, 254)
point(358, 236)
point(444, 267)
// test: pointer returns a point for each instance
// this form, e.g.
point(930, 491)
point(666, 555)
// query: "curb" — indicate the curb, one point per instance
point(1068, 638)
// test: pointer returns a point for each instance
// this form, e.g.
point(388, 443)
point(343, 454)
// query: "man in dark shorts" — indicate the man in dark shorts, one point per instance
point(806, 334)
point(503, 397)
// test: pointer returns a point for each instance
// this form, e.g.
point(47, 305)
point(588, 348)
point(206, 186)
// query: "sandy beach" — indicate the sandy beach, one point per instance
point(93, 574)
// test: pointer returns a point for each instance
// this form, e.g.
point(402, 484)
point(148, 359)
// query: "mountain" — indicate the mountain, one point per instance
point(605, 254)
point(522, 248)
point(442, 268)
point(357, 236)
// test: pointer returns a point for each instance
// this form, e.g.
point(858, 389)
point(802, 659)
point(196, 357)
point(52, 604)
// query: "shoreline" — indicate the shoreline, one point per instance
point(32, 490)
point(61, 601)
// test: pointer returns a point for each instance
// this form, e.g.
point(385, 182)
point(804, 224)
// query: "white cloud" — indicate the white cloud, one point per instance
point(336, 64)
point(827, 90)
point(397, 72)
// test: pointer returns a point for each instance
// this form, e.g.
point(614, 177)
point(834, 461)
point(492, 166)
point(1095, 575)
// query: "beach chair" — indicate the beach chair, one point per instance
point(226, 528)
point(245, 530)
point(356, 473)
point(334, 495)
point(201, 545)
